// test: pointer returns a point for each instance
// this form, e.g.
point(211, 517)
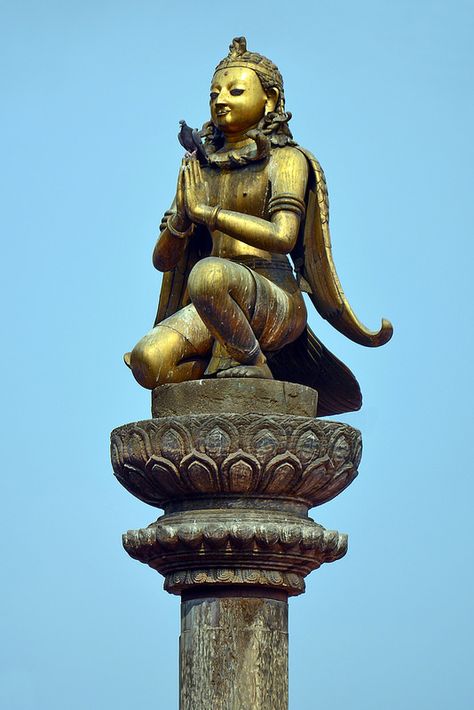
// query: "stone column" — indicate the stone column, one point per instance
point(236, 465)
point(234, 653)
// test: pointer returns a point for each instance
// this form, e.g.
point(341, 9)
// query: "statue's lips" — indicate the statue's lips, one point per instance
point(223, 112)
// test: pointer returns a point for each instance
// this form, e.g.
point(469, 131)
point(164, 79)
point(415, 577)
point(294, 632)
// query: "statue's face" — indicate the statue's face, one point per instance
point(238, 100)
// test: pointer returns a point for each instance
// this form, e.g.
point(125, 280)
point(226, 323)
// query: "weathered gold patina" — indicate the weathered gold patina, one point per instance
point(231, 303)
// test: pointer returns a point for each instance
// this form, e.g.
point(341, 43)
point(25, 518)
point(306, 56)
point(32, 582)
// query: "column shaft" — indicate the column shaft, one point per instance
point(234, 654)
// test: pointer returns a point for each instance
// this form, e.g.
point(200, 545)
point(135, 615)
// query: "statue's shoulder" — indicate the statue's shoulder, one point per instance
point(288, 155)
point(315, 168)
point(288, 165)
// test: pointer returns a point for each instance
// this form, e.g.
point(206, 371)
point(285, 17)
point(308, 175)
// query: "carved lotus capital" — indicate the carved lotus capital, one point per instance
point(236, 466)
point(160, 460)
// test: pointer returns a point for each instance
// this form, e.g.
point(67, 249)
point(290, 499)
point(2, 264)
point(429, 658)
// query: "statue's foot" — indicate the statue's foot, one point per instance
point(259, 371)
point(126, 359)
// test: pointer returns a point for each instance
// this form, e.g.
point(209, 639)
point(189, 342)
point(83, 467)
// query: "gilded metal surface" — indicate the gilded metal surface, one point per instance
point(231, 303)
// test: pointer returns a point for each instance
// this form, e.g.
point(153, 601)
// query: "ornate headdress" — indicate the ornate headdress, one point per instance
point(266, 70)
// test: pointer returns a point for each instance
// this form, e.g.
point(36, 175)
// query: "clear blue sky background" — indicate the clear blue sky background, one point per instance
point(91, 95)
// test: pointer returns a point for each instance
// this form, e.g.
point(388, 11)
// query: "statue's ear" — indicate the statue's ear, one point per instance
point(273, 95)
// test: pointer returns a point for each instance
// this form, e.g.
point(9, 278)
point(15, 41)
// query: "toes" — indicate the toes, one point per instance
point(256, 371)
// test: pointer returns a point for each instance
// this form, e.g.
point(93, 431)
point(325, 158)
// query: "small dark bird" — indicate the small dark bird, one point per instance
point(191, 142)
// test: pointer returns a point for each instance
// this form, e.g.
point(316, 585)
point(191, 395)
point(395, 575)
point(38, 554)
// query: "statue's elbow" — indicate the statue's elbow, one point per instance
point(159, 258)
point(285, 244)
point(285, 237)
point(162, 257)
point(160, 262)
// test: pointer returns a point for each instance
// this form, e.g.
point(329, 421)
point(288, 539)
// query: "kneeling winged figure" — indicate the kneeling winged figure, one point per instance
point(246, 235)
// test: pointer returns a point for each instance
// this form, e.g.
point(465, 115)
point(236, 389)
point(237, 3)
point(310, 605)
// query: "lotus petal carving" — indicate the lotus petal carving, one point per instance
point(160, 460)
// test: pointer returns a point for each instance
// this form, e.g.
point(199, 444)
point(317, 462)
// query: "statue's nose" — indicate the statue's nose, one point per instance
point(222, 98)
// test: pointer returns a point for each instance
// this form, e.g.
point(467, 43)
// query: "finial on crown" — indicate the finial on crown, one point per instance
point(237, 47)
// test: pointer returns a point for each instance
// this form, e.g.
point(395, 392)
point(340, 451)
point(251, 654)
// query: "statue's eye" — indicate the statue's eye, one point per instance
point(214, 95)
point(236, 92)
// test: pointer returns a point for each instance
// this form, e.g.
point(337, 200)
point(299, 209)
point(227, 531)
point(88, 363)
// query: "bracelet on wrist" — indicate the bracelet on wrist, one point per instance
point(176, 232)
point(212, 223)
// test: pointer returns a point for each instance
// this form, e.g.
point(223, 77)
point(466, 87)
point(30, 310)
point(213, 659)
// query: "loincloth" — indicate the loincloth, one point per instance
point(279, 313)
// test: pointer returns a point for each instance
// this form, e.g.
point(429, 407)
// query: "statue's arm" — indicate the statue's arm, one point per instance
point(277, 236)
point(288, 176)
point(169, 248)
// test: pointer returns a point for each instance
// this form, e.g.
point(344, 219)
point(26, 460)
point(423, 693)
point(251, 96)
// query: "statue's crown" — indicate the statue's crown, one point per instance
point(239, 56)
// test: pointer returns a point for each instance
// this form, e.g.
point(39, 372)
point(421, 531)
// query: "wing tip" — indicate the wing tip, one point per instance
point(385, 333)
point(371, 339)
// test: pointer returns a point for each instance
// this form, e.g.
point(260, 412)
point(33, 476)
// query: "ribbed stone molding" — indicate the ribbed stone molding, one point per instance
point(215, 548)
point(236, 473)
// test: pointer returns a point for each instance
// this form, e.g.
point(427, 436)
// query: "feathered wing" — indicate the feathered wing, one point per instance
point(308, 362)
point(313, 258)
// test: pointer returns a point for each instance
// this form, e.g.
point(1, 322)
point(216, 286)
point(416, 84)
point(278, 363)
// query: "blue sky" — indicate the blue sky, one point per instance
point(92, 93)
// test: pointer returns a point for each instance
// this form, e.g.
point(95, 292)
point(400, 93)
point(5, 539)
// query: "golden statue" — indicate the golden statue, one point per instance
point(231, 303)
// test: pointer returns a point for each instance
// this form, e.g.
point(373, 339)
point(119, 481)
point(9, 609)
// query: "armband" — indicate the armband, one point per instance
point(288, 203)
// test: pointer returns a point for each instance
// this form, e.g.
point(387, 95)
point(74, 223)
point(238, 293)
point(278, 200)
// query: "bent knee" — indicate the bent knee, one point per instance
point(208, 277)
point(144, 365)
point(155, 356)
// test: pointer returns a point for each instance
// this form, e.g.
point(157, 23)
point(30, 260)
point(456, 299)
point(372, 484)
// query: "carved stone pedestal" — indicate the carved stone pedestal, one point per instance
point(236, 465)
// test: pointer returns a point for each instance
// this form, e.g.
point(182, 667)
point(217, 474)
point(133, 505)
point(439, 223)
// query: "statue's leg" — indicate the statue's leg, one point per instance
point(224, 294)
point(176, 350)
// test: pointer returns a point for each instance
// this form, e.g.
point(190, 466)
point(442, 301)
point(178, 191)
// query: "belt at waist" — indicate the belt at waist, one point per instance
point(280, 263)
